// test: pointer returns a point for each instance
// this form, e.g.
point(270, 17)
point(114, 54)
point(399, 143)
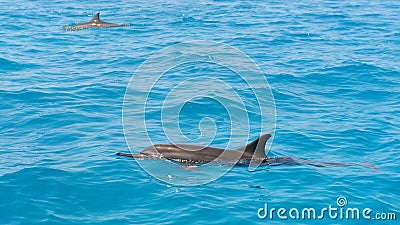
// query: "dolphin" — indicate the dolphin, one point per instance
point(95, 22)
point(192, 154)
point(255, 150)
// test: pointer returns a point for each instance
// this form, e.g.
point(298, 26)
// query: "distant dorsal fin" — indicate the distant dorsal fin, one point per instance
point(256, 148)
point(96, 18)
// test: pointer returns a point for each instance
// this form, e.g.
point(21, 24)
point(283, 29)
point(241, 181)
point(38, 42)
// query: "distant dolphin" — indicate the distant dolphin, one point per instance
point(255, 150)
point(93, 23)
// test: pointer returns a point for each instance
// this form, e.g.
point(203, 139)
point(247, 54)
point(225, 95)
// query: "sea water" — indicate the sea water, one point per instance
point(333, 69)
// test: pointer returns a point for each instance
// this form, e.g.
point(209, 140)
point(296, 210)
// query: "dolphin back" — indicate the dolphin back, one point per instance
point(256, 148)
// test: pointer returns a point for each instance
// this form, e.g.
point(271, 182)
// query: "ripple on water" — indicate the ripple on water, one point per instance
point(334, 76)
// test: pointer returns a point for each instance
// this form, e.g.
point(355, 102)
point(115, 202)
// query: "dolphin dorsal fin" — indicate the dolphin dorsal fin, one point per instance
point(256, 148)
point(96, 18)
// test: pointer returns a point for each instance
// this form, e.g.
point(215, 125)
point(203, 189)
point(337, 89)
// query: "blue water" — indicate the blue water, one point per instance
point(333, 69)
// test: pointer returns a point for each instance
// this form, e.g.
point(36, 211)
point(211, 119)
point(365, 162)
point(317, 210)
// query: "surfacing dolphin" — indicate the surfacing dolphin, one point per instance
point(96, 22)
point(255, 150)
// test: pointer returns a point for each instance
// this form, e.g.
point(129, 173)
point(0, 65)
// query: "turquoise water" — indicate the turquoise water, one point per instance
point(333, 69)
